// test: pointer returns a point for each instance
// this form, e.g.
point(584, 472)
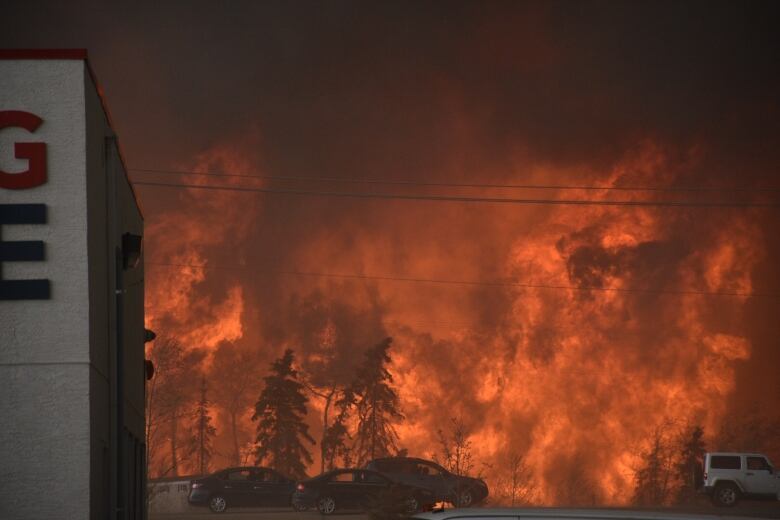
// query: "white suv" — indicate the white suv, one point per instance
point(729, 476)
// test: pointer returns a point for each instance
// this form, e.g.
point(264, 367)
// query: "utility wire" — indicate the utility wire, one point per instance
point(391, 322)
point(471, 282)
point(454, 184)
point(453, 198)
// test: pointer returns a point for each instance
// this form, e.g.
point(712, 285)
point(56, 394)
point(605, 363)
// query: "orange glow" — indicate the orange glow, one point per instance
point(569, 378)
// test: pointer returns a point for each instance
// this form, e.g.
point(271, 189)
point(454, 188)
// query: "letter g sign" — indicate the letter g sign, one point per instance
point(35, 153)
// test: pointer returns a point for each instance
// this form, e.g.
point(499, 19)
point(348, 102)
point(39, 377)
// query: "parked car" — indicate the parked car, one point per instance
point(242, 487)
point(731, 476)
point(447, 487)
point(357, 489)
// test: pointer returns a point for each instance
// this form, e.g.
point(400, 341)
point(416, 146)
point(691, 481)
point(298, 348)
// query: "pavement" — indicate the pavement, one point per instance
point(250, 513)
point(751, 509)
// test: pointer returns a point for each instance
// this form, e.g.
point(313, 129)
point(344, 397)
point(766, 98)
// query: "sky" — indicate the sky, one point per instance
point(610, 94)
point(326, 80)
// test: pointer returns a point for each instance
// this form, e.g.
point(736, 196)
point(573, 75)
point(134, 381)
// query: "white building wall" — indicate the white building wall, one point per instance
point(44, 344)
point(170, 496)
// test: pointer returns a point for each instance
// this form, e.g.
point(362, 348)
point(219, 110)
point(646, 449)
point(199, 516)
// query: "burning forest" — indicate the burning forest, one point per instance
point(551, 228)
point(598, 337)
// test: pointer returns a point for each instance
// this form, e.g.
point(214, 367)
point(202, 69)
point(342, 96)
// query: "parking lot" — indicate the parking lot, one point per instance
point(252, 512)
point(750, 509)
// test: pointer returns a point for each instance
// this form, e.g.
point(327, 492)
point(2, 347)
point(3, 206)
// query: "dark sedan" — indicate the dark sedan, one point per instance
point(242, 487)
point(460, 491)
point(358, 489)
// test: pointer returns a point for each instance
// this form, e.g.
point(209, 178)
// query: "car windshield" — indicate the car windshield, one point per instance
point(372, 478)
point(240, 474)
point(343, 477)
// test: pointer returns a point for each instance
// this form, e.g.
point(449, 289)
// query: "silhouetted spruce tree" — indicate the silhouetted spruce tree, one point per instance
point(280, 412)
point(203, 432)
point(691, 464)
point(376, 405)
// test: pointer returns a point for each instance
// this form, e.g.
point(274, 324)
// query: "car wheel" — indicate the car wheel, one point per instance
point(217, 504)
point(412, 505)
point(725, 495)
point(465, 498)
point(326, 505)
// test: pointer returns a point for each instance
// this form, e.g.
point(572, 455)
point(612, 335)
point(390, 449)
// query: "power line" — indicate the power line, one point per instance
point(453, 198)
point(390, 322)
point(453, 184)
point(396, 322)
point(472, 282)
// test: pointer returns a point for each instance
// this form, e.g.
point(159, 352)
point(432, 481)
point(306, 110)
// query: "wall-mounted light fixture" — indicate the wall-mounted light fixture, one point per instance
point(149, 335)
point(131, 250)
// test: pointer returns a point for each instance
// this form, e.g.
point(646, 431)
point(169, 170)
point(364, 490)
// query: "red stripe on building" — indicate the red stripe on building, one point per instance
point(43, 54)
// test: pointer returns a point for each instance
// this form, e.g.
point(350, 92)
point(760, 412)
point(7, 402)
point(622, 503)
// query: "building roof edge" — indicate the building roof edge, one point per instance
point(43, 54)
point(74, 54)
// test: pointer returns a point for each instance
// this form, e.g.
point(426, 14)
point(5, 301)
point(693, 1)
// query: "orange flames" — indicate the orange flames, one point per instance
point(180, 306)
point(598, 334)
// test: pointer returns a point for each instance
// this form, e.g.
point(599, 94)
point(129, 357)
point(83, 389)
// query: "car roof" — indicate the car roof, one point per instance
point(735, 453)
point(237, 468)
point(413, 459)
point(562, 514)
point(346, 470)
point(241, 468)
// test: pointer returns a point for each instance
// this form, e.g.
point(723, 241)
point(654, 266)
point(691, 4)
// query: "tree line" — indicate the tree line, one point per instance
point(671, 466)
point(671, 469)
point(360, 412)
point(359, 421)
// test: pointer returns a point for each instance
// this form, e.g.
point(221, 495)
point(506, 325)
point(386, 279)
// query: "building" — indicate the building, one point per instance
point(72, 366)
